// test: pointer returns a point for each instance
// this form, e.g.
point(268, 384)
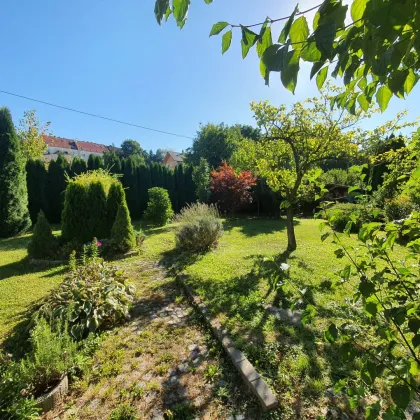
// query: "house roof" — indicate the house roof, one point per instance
point(177, 157)
point(53, 141)
point(60, 142)
point(91, 147)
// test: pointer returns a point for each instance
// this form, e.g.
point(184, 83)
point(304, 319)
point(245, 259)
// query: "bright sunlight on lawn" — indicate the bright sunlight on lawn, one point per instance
point(234, 280)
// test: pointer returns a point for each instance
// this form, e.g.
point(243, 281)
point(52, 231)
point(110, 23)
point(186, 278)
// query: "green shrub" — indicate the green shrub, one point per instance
point(36, 174)
point(53, 354)
point(159, 209)
point(398, 208)
point(122, 233)
point(14, 214)
point(43, 243)
point(116, 197)
point(339, 177)
point(86, 205)
point(123, 412)
point(140, 238)
point(342, 213)
point(93, 297)
point(199, 227)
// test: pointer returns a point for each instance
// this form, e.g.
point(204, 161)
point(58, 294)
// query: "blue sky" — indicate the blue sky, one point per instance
point(118, 62)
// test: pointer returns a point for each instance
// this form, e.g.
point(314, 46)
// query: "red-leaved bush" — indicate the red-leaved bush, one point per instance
point(229, 190)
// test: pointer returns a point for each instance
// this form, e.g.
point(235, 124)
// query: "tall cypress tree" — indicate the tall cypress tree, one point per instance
point(55, 187)
point(78, 166)
point(36, 175)
point(190, 186)
point(145, 183)
point(180, 187)
point(97, 205)
point(91, 163)
point(131, 184)
point(14, 214)
point(112, 162)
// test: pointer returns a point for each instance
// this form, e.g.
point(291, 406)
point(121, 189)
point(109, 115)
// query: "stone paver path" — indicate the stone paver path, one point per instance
point(163, 363)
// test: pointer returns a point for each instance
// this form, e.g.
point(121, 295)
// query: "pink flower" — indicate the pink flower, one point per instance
point(98, 243)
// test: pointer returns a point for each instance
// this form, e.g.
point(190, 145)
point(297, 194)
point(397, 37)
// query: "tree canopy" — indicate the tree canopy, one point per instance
point(373, 45)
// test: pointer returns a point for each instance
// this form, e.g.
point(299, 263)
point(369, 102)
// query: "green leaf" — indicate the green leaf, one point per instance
point(339, 253)
point(249, 39)
point(373, 410)
point(290, 70)
point(299, 32)
point(218, 27)
point(77, 331)
point(401, 395)
point(324, 38)
point(310, 52)
point(369, 373)
point(371, 308)
point(315, 68)
point(366, 288)
point(331, 334)
point(358, 8)
point(416, 340)
point(321, 76)
point(308, 314)
point(286, 29)
point(410, 81)
point(397, 81)
point(161, 7)
point(363, 102)
point(208, 1)
point(345, 274)
point(414, 325)
point(264, 41)
point(180, 9)
point(273, 57)
point(383, 96)
point(226, 41)
point(325, 236)
point(347, 351)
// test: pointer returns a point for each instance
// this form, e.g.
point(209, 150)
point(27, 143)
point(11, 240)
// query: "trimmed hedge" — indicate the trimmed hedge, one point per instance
point(159, 208)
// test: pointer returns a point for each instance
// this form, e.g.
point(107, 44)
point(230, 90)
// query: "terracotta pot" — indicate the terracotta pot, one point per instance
point(53, 398)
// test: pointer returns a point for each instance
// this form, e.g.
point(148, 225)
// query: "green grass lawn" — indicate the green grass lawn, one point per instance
point(21, 285)
point(234, 280)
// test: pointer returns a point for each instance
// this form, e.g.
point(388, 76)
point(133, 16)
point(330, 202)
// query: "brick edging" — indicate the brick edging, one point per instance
point(250, 376)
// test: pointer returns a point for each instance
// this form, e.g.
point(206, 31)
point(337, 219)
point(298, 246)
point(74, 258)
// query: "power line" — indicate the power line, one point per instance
point(95, 115)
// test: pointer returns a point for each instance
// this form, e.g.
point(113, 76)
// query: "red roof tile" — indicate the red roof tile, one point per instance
point(91, 147)
point(60, 142)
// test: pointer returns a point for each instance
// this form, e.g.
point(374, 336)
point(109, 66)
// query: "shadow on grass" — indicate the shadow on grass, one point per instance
point(23, 267)
point(15, 243)
point(255, 227)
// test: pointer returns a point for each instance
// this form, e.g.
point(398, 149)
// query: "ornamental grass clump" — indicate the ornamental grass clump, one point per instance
point(199, 227)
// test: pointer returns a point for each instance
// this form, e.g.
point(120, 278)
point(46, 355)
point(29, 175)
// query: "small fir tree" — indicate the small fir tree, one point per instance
point(36, 175)
point(122, 233)
point(43, 243)
point(14, 214)
point(116, 198)
point(159, 208)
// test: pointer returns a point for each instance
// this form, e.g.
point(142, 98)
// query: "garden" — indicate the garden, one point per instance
point(277, 262)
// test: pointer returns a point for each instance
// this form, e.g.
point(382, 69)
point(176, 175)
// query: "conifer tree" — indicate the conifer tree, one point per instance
point(43, 243)
point(145, 183)
point(97, 205)
point(116, 197)
point(36, 175)
point(91, 163)
point(122, 233)
point(78, 166)
point(14, 214)
point(130, 181)
point(112, 162)
point(55, 186)
point(180, 187)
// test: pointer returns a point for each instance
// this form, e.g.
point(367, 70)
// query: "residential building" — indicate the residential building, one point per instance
point(71, 148)
point(173, 159)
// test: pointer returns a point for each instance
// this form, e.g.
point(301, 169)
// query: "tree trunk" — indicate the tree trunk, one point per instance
point(291, 238)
